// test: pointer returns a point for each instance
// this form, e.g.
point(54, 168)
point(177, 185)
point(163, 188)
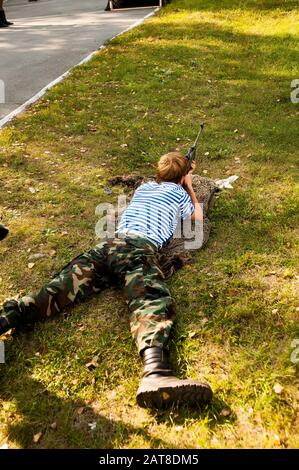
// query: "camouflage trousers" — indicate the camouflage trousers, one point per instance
point(129, 263)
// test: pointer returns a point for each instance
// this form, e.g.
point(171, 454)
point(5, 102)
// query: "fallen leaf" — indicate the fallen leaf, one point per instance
point(53, 425)
point(31, 265)
point(80, 410)
point(93, 363)
point(165, 395)
point(192, 334)
point(92, 426)
point(37, 256)
point(225, 412)
point(214, 441)
point(37, 437)
point(278, 388)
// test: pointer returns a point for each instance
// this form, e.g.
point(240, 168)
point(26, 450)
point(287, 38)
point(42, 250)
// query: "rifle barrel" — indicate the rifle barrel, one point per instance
point(198, 135)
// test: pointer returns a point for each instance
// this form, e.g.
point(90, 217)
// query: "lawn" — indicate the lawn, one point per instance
point(229, 63)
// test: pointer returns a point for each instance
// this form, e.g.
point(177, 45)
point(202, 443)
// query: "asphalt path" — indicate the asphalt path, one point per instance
point(48, 38)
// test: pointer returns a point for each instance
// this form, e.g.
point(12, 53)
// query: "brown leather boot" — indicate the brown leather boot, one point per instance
point(159, 388)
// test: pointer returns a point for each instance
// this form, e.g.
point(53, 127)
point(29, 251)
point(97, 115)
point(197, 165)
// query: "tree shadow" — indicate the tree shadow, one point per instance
point(76, 423)
point(245, 75)
point(62, 423)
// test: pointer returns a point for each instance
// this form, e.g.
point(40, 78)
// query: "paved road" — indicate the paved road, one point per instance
point(49, 37)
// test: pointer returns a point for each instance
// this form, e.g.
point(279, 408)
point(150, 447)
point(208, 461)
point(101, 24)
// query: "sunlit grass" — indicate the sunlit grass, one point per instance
point(229, 63)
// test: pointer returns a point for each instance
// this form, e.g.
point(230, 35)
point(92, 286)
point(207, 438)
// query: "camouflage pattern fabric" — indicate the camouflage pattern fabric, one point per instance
point(130, 263)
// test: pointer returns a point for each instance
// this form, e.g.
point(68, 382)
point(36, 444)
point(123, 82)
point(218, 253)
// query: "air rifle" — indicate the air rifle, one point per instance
point(191, 155)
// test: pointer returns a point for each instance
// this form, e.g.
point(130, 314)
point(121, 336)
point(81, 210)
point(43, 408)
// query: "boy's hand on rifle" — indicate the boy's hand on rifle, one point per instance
point(187, 182)
point(193, 166)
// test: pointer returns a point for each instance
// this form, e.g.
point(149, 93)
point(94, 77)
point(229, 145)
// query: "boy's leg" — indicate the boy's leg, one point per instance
point(150, 303)
point(84, 276)
point(152, 316)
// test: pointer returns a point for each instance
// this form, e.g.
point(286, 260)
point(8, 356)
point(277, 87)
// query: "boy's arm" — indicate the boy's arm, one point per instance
point(187, 184)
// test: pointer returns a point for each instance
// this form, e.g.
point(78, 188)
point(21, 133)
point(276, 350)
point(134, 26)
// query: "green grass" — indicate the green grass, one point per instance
point(229, 63)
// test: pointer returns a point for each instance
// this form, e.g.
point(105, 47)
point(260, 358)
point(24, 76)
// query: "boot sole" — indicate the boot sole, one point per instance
point(187, 394)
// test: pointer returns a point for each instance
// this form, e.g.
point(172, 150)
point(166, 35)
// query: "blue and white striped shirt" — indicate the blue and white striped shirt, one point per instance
point(155, 210)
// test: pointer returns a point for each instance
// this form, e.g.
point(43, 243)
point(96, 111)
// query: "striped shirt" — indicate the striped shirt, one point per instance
point(155, 210)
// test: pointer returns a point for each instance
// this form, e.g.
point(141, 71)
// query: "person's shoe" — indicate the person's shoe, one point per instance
point(4, 20)
point(3, 25)
point(4, 327)
point(159, 388)
point(10, 316)
point(3, 232)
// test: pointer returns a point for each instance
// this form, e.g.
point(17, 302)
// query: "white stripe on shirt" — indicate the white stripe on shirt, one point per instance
point(155, 210)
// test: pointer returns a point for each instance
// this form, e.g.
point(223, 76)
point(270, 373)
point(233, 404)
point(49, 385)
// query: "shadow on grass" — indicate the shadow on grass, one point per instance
point(76, 423)
point(63, 423)
point(240, 68)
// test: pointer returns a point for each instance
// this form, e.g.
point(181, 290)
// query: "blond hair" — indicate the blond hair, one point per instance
point(171, 167)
